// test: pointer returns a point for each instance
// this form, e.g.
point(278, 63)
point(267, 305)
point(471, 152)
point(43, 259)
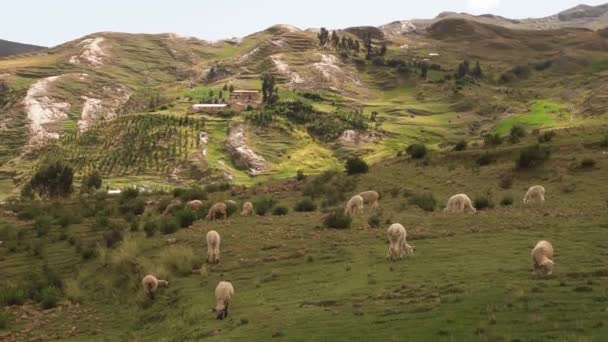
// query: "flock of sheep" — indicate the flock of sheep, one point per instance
point(542, 253)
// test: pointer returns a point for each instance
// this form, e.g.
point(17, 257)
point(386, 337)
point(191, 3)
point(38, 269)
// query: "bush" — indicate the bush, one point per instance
point(280, 211)
point(42, 225)
point(460, 146)
point(231, 209)
point(263, 205)
point(356, 166)
point(587, 163)
point(305, 205)
point(49, 296)
point(53, 180)
point(190, 194)
point(506, 182)
point(337, 219)
point(506, 201)
point(91, 181)
point(485, 159)
point(300, 176)
point(604, 142)
point(88, 252)
point(135, 206)
point(11, 295)
point(168, 225)
point(375, 220)
point(185, 217)
point(425, 201)
point(532, 156)
point(4, 320)
point(483, 202)
point(101, 220)
point(492, 140)
point(112, 237)
point(179, 260)
point(546, 136)
point(517, 132)
point(150, 227)
point(416, 151)
point(29, 212)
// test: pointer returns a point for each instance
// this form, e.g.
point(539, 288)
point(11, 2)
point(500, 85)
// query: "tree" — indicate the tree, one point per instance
point(225, 88)
point(268, 89)
point(367, 44)
point(383, 49)
point(335, 39)
point(357, 46)
point(211, 93)
point(373, 116)
point(221, 94)
point(424, 69)
point(323, 36)
point(476, 72)
point(231, 88)
point(356, 165)
point(463, 70)
point(91, 181)
point(53, 180)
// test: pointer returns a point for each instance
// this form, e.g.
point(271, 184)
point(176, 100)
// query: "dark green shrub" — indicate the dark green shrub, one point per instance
point(43, 224)
point(185, 217)
point(506, 201)
point(112, 237)
point(485, 159)
point(129, 194)
point(517, 132)
point(356, 165)
point(532, 156)
point(29, 212)
point(4, 320)
point(425, 201)
point(150, 227)
point(300, 176)
point(492, 140)
point(11, 295)
point(588, 163)
point(88, 252)
point(91, 181)
point(53, 180)
point(231, 209)
point(101, 220)
point(460, 146)
point(337, 219)
point(135, 206)
point(506, 182)
point(49, 297)
point(305, 205)
point(190, 194)
point(168, 225)
point(263, 205)
point(416, 151)
point(375, 220)
point(483, 202)
point(546, 136)
point(280, 211)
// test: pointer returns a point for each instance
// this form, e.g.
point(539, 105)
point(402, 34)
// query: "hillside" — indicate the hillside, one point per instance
point(8, 48)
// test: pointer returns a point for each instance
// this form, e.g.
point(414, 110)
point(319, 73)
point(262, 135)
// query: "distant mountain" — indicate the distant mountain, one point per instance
point(581, 16)
point(8, 48)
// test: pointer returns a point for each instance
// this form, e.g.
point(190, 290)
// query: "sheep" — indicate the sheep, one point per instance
point(195, 204)
point(370, 198)
point(354, 205)
point(247, 209)
point(398, 246)
point(535, 194)
point(217, 208)
point(460, 203)
point(542, 258)
point(213, 247)
point(151, 284)
point(169, 209)
point(224, 291)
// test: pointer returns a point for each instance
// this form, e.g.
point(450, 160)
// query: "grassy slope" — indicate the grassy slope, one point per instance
point(469, 279)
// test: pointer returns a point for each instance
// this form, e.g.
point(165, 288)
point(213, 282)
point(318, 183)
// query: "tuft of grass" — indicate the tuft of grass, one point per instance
point(280, 211)
point(264, 205)
point(337, 219)
point(305, 205)
point(179, 260)
point(425, 201)
point(532, 156)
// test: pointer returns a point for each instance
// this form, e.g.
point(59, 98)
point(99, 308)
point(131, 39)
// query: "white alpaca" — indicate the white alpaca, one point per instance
point(151, 284)
point(217, 209)
point(213, 247)
point(247, 209)
point(397, 239)
point(542, 258)
point(535, 194)
point(370, 198)
point(459, 204)
point(354, 205)
point(224, 291)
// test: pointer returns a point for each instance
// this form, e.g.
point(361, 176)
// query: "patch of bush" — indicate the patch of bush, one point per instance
point(305, 205)
point(280, 211)
point(506, 182)
point(135, 206)
point(532, 156)
point(460, 146)
point(11, 295)
point(604, 142)
point(190, 194)
point(29, 212)
point(546, 136)
point(185, 217)
point(416, 151)
point(485, 159)
point(356, 165)
point(492, 140)
point(43, 224)
point(588, 163)
point(231, 209)
point(168, 225)
point(375, 220)
point(337, 219)
point(179, 260)
point(483, 202)
point(517, 132)
point(112, 237)
point(129, 194)
point(300, 176)
point(263, 205)
point(49, 296)
point(425, 201)
point(150, 226)
point(506, 201)
point(4, 320)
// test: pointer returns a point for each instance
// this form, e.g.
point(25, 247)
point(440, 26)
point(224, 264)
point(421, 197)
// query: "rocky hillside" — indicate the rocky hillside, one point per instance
point(8, 48)
point(425, 87)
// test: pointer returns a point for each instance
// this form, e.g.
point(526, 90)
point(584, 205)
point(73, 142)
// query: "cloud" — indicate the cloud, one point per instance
point(482, 6)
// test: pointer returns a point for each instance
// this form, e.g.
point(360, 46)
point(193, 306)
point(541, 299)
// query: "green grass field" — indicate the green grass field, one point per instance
point(469, 279)
point(542, 114)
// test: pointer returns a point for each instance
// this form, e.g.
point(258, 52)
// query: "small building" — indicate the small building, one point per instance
point(209, 107)
point(245, 96)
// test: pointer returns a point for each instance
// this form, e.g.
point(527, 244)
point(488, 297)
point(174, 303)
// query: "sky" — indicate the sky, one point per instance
point(52, 22)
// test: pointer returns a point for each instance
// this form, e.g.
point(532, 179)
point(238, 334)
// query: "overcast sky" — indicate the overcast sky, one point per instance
point(51, 22)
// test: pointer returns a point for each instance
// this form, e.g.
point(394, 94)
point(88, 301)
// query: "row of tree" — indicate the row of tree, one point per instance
point(350, 45)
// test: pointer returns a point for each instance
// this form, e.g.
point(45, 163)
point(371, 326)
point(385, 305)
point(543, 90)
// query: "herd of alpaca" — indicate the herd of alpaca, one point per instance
point(542, 253)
